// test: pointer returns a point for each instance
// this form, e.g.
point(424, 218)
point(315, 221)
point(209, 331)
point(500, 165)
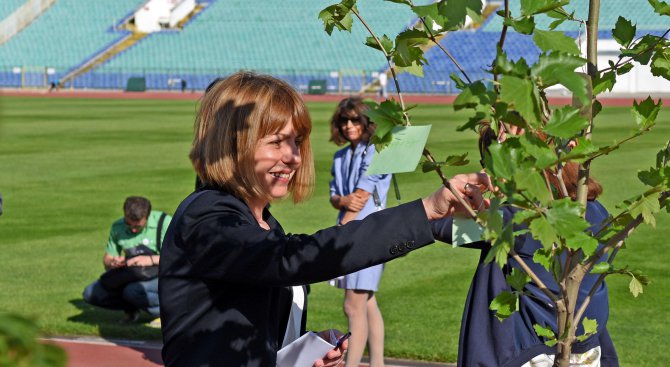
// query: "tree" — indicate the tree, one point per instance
point(519, 167)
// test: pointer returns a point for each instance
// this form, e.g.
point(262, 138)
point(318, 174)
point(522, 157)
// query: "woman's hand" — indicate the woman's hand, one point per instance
point(353, 202)
point(335, 356)
point(470, 186)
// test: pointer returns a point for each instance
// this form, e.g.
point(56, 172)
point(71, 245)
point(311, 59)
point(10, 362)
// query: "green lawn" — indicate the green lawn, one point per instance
point(67, 166)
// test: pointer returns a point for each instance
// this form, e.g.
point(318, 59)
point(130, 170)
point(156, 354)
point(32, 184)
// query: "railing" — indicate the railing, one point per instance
point(336, 81)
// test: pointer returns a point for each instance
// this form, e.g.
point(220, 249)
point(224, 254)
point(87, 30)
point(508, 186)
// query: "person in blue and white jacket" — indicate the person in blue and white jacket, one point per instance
point(356, 195)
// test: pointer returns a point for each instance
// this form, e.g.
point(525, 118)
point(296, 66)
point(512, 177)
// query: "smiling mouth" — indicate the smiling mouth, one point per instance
point(284, 176)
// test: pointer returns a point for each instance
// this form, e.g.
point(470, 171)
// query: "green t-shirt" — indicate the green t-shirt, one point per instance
point(121, 238)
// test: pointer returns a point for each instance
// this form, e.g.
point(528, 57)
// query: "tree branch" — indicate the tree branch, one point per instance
point(503, 35)
point(388, 60)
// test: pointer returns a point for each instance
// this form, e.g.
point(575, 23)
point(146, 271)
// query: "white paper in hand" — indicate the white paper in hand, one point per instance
point(303, 351)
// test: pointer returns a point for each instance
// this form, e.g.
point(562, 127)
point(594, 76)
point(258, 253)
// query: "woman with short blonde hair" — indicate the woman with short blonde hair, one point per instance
point(231, 280)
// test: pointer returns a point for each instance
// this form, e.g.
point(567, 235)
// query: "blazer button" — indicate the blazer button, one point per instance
point(401, 247)
point(409, 244)
point(394, 250)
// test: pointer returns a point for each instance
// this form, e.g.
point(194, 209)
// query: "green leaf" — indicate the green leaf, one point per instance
point(530, 7)
point(338, 16)
point(583, 150)
point(652, 177)
point(505, 66)
point(663, 156)
point(504, 305)
point(474, 121)
point(647, 206)
point(501, 246)
point(501, 161)
point(539, 150)
point(635, 286)
point(660, 7)
point(566, 123)
point(457, 160)
point(457, 10)
point(407, 52)
point(643, 49)
point(386, 42)
point(553, 25)
point(473, 95)
point(523, 25)
point(532, 181)
point(452, 160)
point(601, 268)
point(414, 69)
point(522, 216)
point(543, 231)
point(517, 279)
point(566, 219)
point(460, 84)
point(624, 31)
point(603, 82)
point(386, 116)
point(660, 63)
point(544, 331)
point(577, 85)
point(550, 67)
point(544, 257)
point(590, 328)
point(522, 95)
point(582, 241)
point(624, 69)
point(555, 41)
point(431, 14)
point(645, 113)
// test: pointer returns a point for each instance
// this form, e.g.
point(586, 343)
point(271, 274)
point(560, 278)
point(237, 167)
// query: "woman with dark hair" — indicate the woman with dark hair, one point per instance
point(356, 195)
point(231, 280)
point(485, 340)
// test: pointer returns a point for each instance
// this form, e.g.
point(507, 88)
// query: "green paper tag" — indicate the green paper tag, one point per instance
point(403, 153)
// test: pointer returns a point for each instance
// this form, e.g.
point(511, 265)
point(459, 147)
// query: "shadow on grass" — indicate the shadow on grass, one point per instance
point(133, 335)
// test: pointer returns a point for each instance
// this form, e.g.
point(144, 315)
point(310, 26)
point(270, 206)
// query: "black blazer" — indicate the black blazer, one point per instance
point(223, 278)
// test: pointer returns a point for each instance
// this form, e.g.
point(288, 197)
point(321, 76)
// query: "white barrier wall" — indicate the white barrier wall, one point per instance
point(638, 80)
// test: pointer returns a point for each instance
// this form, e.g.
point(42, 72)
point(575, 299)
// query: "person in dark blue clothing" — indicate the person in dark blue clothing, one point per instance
point(486, 341)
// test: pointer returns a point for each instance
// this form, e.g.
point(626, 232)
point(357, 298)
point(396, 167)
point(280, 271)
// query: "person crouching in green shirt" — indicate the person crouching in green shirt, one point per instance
point(134, 240)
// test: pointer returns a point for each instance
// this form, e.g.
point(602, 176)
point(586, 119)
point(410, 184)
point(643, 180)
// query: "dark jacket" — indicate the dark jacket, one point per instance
point(223, 278)
point(486, 341)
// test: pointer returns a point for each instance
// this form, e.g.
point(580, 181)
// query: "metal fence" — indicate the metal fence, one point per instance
point(306, 81)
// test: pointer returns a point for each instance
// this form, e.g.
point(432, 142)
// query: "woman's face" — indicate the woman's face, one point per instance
point(351, 126)
point(276, 159)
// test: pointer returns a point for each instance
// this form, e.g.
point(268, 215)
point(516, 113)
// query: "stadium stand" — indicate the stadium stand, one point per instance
point(7, 7)
point(63, 37)
point(476, 49)
point(276, 38)
point(280, 38)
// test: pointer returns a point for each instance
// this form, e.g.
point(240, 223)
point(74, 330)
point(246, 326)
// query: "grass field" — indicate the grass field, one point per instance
point(67, 165)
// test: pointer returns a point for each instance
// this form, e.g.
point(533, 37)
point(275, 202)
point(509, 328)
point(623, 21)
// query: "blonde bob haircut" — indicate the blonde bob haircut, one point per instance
point(234, 115)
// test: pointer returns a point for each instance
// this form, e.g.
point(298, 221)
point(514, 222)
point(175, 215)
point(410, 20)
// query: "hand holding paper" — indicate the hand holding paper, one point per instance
point(314, 350)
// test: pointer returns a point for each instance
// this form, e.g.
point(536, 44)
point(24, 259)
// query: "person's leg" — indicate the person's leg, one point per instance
point(96, 295)
point(143, 295)
point(375, 333)
point(355, 307)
